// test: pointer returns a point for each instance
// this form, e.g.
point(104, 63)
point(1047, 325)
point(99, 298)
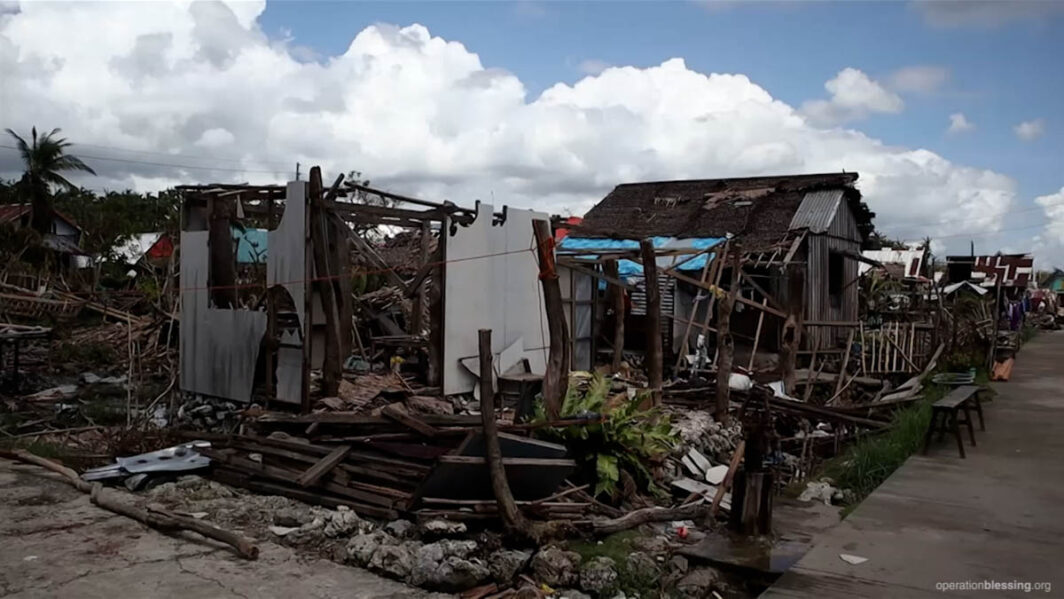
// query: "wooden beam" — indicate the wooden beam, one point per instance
point(409, 420)
point(324, 270)
point(323, 466)
point(554, 380)
point(742, 300)
point(725, 343)
point(654, 357)
point(512, 519)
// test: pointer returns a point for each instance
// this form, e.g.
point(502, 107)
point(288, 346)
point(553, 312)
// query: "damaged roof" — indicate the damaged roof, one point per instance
point(760, 210)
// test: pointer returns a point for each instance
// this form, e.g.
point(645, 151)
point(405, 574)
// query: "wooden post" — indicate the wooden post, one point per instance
point(512, 519)
point(222, 279)
point(845, 362)
point(325, 285)
point(654, 357)
point(616, 295)
point(757, 335)
point(437, 306)
point(271, 316)
point(792, 327)
point(555, 379)
point(417, 324)
point(725, 343)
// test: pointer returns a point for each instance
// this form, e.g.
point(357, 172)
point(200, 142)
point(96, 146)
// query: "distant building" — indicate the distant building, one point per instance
point(64, 236)
point(1011, 271)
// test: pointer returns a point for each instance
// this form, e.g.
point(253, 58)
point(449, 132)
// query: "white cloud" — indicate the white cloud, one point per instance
point(213, 138)
point(423, 116)
point(593, 66)
point(922, 79)
point(854, 96)
point(958, 123)
point(1030, 130)
point(1050, 242)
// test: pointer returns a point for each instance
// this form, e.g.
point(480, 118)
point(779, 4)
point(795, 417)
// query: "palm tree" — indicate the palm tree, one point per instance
point(45, 158)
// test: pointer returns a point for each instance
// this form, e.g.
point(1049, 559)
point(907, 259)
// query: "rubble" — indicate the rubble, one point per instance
point(556, 567)
point(506, 563)
point(598, 575)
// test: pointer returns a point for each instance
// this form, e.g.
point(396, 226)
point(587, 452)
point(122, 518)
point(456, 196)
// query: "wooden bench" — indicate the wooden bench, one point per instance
point(945, 416)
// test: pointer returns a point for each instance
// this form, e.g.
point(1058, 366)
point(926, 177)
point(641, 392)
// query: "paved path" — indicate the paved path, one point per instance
point(54, 543)
point(996, 516)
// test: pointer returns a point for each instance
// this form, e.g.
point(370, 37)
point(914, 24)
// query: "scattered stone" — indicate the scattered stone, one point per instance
point(505, 564)
point(655, 544)
point(400, 529)
point(443, 528)
point(643, 566)
point(678, 563)
point(598, 575)
point(572, 594)
point(394, 560)
point(556, 567)
point(818, 491)
point(292, 517)
point(361, 547)
point(455, 573)
point(282, 531)
point(343, 522)
point(698, 583)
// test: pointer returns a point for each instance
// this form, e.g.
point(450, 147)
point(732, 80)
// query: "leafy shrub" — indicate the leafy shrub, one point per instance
point(628, 439)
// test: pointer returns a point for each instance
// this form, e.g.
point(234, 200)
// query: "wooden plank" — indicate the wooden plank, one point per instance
point(323, 466)
point(845, 363)
point(409, 420)
point(742, 300)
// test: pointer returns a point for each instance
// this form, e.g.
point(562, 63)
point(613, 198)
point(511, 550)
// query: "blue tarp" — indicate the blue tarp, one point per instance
point(588, 246)
point(250, 245)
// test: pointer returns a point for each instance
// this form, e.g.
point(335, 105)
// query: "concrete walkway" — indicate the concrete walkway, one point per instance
point(997, 516)
point(54, 543)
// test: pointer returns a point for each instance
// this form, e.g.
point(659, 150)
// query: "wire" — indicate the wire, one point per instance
point(171, 165)
point(172, 155)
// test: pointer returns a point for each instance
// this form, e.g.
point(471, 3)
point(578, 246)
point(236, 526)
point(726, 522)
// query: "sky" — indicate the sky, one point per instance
point(950, 111)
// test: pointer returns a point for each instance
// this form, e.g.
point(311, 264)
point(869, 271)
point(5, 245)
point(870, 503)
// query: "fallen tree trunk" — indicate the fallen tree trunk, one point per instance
point(653, 514)
point(153, 517)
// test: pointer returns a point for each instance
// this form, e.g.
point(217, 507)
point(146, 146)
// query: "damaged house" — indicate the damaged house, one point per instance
point(806, 228)
point(260, 327)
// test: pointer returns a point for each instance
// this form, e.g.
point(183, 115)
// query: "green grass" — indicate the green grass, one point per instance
point(869, 461)
point(617, 547)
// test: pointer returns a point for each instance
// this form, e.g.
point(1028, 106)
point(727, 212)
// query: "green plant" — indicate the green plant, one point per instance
point(628, 439)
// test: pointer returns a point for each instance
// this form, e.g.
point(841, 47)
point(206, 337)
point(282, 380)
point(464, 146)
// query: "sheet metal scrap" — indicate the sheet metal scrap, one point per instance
point(179, 458)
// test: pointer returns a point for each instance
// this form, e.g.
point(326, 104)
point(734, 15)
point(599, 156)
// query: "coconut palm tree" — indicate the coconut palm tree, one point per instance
point(45, 158)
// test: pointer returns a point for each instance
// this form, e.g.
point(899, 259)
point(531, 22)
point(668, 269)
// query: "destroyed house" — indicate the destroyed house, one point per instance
point(816, 223)
point(1011, 271)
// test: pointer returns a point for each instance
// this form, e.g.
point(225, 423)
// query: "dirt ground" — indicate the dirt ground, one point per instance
point(56, 544)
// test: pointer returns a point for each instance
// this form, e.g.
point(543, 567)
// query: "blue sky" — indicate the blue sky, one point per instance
point(1002, 69)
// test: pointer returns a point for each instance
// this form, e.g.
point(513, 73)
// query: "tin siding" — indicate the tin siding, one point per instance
point(842, 235)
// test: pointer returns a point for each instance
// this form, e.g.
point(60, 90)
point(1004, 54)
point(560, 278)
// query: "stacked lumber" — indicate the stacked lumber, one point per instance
point(427, 465)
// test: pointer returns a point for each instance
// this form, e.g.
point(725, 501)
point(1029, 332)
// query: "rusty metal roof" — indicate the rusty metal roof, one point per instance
point(817, 210)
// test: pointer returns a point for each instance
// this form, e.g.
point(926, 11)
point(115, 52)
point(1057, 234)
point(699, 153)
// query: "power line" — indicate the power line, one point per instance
point(170, 164)
point(286, 163)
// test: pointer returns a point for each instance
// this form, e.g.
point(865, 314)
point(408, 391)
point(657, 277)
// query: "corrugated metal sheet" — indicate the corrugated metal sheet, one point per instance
point(817, 210)
point(840, 235)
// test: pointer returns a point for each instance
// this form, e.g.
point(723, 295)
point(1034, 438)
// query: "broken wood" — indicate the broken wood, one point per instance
point(409, 420)
point(155, 518)
point(555, 379)
point(323, 466)
point(725, 342)
point(792, 327)
point(654, 352)
point(512, 518)
point(845, 362)
point(725, 484)
point(644, 516)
